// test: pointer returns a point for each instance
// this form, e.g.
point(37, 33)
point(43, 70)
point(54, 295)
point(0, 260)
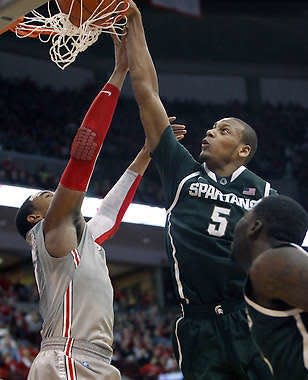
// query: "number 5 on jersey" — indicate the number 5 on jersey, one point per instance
point(218, 228)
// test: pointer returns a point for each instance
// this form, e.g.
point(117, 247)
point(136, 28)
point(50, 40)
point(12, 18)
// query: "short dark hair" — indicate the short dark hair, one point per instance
point(283, 218)
point(22, 224)
point(249, 137)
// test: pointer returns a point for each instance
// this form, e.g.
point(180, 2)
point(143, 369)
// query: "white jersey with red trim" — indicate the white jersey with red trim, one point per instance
point(76, 295)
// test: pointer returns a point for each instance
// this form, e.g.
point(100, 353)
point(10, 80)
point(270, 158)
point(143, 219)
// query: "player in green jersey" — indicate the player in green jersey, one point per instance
point(266, 244)
point(204, 200)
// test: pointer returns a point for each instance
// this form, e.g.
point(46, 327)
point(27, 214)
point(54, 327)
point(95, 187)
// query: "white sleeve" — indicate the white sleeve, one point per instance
point(112, 209)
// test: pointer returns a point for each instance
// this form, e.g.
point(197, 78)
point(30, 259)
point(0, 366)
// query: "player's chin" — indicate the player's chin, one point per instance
point(203, 156)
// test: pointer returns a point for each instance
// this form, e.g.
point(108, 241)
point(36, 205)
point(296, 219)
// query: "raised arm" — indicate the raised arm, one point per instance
point(108, 218)
point(144, 80)
point(281, 274)
point(113, 207)
point(63, 223)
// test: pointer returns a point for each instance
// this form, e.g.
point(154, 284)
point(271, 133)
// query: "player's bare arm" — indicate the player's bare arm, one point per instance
point(281, 274)
point(63, 223)
point(144, 80)
point(120, 65)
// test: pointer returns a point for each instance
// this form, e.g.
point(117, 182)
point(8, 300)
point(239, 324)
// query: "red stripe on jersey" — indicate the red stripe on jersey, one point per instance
point(126, 202)
point(76, 257)
point(68, 347)
point(67, 311)
point(70, 370)
point(68, 300)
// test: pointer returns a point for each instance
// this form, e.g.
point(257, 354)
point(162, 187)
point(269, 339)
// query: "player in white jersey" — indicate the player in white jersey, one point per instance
point(76, 296)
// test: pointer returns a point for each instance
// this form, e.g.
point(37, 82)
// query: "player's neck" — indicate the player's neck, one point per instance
point(260, 246)
point(224, 170)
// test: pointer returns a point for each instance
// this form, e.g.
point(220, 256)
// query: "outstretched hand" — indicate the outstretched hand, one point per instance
point(179, 131)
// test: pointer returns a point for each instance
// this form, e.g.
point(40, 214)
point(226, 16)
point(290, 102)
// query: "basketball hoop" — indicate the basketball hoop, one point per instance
point(68, 39)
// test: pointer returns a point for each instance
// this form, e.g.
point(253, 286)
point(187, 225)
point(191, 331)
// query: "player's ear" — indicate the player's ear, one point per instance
point(255, 229)
point(244, 151)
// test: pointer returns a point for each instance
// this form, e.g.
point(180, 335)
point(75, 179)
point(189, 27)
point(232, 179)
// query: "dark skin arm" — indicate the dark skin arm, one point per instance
point(63, 223)
point(281, 274)
point(144, 80)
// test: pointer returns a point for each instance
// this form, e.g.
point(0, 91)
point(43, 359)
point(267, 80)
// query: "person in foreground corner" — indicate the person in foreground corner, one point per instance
point(267, 245)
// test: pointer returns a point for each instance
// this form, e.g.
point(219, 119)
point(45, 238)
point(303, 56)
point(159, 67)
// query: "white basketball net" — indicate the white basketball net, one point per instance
point(68, 40)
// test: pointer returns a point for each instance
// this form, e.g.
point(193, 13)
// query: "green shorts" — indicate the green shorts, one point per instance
point(214, 343)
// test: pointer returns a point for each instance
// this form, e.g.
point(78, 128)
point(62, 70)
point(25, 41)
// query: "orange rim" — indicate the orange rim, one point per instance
point(11, 25)
point(29, 31)
point(35, 32)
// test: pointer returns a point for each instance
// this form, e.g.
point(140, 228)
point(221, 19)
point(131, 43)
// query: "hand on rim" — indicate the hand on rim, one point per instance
point(133, 9)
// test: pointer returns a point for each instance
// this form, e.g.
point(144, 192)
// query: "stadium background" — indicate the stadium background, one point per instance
point(249, 60)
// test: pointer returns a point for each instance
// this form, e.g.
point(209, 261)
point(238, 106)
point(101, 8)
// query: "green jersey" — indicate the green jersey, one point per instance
point(282, 335)
point(202, 211)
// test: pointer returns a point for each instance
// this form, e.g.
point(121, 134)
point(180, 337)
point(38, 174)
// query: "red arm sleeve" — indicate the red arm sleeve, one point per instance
point(89, 139)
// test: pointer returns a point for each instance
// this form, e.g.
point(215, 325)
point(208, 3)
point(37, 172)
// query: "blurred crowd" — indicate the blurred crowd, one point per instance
point(142, 336)
point(20, 324)
point(142, 340)
point(42, 121)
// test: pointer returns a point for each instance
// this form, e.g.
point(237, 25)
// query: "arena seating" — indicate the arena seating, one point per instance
point(33, 127)
point(142, 344)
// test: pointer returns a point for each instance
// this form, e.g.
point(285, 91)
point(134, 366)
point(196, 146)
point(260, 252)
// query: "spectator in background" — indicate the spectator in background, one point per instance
point(34, 131)
point(142, 336)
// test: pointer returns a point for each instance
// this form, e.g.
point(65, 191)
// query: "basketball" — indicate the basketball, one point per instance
point(80, 11)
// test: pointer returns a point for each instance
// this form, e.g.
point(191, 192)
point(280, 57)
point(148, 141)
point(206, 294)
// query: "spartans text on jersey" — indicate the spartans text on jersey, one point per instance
point(204, 190)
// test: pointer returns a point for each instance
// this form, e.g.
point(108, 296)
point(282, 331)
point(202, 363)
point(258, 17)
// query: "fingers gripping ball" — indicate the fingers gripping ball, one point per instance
point(84, 145)
point(103, 12)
